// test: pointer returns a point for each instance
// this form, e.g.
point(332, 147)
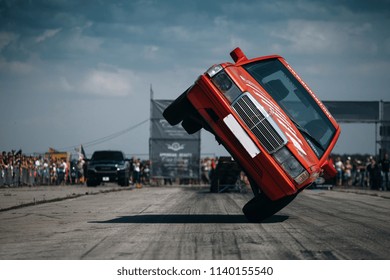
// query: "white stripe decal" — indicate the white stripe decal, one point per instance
point(241, 135)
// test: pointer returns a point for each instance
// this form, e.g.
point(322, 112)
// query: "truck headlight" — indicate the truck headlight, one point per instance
point(119, 167)
point(291, 165)
point(225, 84)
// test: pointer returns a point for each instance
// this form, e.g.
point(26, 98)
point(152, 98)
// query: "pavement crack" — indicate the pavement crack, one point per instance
point(93, 248)
point(143, 210)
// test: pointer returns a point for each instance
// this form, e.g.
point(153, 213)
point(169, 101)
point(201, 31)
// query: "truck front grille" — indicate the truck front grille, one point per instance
point(261, 124)
point(105, 168)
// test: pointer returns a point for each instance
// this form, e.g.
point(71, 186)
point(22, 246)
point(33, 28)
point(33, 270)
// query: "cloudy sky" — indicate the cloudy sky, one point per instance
point(79, 72)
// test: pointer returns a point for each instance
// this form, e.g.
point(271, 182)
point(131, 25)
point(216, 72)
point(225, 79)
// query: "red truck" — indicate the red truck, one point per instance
point(269, 120)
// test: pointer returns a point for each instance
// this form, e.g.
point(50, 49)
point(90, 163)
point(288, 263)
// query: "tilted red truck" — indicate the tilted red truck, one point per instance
point(269, 120)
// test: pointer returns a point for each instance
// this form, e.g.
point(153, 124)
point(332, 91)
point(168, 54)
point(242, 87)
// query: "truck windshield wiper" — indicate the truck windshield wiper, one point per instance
point(307, 134)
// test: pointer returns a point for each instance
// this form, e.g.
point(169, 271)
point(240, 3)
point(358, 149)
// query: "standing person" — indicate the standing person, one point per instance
point(147, 174)
point(374, 174)
point(61, 173)
point(46, 172)
point(385, 170)
point(356, 174)
point(1, 170)
point(339, 165)
point(205, 171)
point(53, 174)
point(213, 166)
point(80, 170)
point(348, 172)
point(66, 171)
point(132, 161)
point(366, 177)
point(137, 173)
point(38, 170)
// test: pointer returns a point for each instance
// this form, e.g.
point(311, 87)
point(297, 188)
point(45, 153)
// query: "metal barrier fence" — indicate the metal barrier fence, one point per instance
point(16, 176)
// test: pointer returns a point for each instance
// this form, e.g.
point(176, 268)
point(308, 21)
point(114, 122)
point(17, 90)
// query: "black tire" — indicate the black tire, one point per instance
point(123, 182)
point(178, 109)
point(191, 126)
point(214, 188)
point(91, 183)
point(261, 207)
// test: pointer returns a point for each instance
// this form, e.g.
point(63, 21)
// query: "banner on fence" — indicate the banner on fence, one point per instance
point(173, 152)
point(175, 158)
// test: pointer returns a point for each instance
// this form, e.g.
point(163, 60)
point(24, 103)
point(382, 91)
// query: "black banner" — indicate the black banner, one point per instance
point(386, 111)
point(173, 152)
point(354, 111)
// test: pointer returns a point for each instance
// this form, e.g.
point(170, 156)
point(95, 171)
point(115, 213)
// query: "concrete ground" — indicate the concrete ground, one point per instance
point(181, 222)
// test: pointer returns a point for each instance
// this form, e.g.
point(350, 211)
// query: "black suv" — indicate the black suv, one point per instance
point(108, 166)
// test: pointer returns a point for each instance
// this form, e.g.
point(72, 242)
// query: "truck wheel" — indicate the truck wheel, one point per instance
point(214, 186)
point(191, 126)
point(261, 207)
point(91, 183)
point(178, 109)
point(123, 182)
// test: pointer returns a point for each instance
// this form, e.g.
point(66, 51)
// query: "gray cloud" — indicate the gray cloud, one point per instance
point(74, 71)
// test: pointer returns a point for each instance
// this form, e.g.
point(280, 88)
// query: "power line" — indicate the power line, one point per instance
point(106, 138)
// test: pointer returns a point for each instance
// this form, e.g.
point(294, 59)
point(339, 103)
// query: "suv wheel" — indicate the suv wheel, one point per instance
point(91, 183)
point(123, 182)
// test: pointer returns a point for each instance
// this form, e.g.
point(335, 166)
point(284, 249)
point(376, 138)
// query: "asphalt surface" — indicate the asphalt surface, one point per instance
point(13, 198)
point(111, 222)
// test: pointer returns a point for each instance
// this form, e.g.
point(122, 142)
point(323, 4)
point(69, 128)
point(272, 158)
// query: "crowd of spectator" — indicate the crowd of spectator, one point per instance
point(17, 169)
point(368, 172)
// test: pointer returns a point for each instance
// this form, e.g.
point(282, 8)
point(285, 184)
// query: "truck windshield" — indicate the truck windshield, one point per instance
point(295, 101)
point(107, 156)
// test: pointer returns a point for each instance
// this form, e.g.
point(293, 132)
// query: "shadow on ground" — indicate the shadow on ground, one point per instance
point(189, 219)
